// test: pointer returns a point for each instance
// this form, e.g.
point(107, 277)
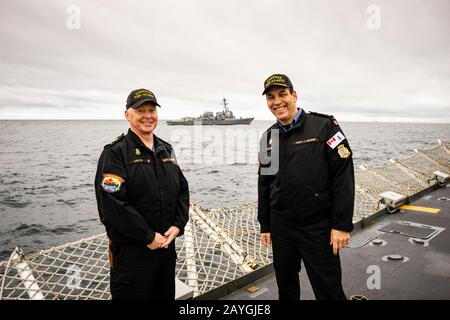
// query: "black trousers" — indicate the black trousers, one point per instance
point(291, 245)
point(139, 273)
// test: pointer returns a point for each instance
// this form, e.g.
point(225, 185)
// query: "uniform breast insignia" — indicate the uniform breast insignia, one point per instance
point(111, 183)
point(137, 152)
point(343, 152)
point(336, 140)
point(311, 140)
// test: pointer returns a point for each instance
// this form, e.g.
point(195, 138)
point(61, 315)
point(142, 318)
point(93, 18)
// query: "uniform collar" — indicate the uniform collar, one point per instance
point(297, 119)
point(135, 138)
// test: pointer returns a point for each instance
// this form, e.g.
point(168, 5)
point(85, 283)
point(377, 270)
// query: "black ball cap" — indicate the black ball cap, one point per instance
point(280, 80)
point(140, 96)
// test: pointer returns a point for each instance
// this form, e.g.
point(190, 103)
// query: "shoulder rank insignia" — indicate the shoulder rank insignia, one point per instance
point(344, 153)
point(335, 122)
point(111, 183)
point(117, 139)
point(321, 114)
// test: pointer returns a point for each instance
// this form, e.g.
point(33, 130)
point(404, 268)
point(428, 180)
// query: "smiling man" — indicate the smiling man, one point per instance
point(305, 208)
point(143, 201)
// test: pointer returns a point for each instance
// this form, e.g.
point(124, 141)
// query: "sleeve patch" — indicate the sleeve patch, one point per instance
point(111, 183)
point(336, 140)
point(343, 152)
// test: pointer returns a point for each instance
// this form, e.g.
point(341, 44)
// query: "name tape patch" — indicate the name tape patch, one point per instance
point(306, 141)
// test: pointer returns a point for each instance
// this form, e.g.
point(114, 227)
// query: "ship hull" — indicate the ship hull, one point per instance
point(205, 122)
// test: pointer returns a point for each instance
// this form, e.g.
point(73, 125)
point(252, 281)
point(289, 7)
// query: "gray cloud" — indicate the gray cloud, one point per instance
point(192, 53)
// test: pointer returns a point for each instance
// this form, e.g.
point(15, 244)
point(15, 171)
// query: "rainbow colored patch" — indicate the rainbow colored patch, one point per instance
point(111, 183)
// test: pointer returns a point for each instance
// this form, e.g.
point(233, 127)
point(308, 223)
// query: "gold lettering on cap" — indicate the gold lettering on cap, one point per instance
point(143, 93)
point(274, 79)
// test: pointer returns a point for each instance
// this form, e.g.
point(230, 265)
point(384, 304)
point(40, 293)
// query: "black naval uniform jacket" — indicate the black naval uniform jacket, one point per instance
point(140, 192)
point(315, 181)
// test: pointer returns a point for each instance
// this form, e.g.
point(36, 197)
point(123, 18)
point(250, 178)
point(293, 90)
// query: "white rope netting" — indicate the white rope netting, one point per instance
point(219, 245)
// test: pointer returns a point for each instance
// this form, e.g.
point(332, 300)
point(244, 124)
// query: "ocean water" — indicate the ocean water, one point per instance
point(47, 169)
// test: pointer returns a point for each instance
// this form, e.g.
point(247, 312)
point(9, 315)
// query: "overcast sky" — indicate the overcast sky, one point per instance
point(359, 60)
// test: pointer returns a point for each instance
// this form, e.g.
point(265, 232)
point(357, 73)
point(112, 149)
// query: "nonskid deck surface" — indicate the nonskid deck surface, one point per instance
point(423, 273)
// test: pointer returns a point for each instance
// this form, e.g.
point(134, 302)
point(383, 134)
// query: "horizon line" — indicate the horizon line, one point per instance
point(96, 119)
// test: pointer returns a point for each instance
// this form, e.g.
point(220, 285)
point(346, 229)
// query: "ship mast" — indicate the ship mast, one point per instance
point(225, 104)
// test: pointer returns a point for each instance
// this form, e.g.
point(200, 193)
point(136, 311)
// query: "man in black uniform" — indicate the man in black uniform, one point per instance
point(305, 193)
point(143, 201)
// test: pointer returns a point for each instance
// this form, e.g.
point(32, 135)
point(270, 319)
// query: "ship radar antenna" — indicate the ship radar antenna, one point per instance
point(225, 104)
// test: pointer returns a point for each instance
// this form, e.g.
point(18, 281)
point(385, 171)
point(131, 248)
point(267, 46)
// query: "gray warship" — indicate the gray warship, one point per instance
point(225, 117)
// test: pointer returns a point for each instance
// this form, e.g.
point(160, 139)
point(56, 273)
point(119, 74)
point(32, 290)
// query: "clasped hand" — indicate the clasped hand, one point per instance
point(163, 241)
